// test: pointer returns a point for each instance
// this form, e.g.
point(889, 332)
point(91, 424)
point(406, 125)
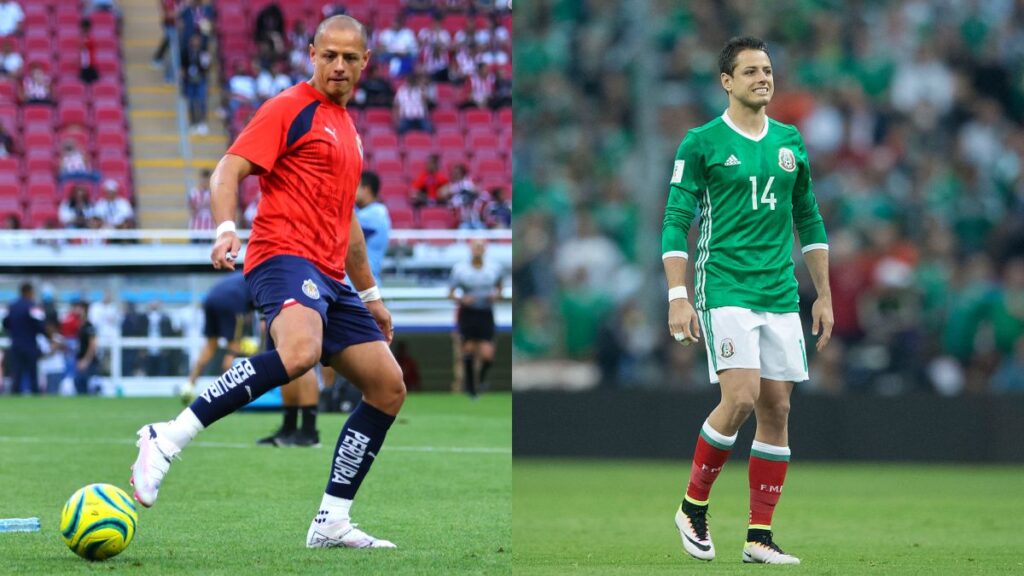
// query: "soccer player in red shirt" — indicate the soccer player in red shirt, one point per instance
point(303, 145)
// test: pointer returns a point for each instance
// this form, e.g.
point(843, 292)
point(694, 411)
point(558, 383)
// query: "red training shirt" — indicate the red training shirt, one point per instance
point(309, 158)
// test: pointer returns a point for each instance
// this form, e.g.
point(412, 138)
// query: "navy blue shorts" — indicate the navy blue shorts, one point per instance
point(288, 280)
point(220, 324)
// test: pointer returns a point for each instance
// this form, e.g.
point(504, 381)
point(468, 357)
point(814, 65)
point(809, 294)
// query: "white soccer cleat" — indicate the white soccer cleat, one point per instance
point(694, 531)
point(155, 454)
point(766, 553)
point(342, 534)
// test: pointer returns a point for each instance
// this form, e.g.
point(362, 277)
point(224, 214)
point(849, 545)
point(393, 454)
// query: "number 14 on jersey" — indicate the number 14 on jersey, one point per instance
point(766, 197)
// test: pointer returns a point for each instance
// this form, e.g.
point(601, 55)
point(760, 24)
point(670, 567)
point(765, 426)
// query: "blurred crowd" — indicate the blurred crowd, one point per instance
point(911, 113)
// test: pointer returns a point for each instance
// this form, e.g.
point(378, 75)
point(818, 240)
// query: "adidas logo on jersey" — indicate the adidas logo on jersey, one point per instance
point(732, 161)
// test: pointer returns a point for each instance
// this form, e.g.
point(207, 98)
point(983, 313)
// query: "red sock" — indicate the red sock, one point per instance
point(708, 459)
point(767, 473)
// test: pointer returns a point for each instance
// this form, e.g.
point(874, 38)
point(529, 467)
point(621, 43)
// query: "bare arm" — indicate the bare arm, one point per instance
point(821, 311)
point(682, 318)
point(224, 205)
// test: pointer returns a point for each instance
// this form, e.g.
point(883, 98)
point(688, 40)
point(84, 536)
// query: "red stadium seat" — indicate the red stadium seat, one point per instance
point(108, 113)
point(8, 90)
point(112, 141)
point(505, 117)
point(40, 216)
point(37, 113)
point(10, 190)
point(381, 140)
point(8, 165)
point(484, 167)
point(437, 218)
point(418, 140)
point(108, 90)
point(448, 96)
point(378, 117)
point(401, 217)
point(446, 118)
point(42, 192)
point(477, 117)
point(388, 169)
point(71, 112)
point(71, 89)
point(479, 141)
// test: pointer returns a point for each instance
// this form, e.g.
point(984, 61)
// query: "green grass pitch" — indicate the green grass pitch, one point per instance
point(441, 490)
point(615, 517)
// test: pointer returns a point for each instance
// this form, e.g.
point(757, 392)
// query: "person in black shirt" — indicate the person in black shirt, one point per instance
point(85, 359)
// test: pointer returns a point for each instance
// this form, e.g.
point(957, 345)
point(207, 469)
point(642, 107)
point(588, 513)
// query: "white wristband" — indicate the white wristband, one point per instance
point(225, 226)
point(676, 292)
point(370, 294)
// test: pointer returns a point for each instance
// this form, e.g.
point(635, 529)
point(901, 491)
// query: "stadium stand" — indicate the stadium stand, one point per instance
point(91, 115)
point(912, 117)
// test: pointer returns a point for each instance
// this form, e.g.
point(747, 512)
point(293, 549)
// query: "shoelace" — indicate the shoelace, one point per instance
point(700, 523)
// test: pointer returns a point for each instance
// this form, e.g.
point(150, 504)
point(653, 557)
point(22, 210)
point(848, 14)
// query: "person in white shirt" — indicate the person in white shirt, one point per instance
point(399, 48)
point(242, 86)
point(11, 62)
point(11, 16)
point(113, 210)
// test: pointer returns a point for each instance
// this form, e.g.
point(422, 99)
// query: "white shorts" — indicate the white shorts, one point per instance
point(742, 338)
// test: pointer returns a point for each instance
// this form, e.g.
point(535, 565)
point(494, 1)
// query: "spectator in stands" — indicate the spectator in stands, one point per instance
point(374, 89)
point(158, 325)
point(196, 18)
point(470, 34)
point(86, 359)
point(36, 86)
point(11, 16)
point(169, 19)
point(398, 47)
point(435, 61)
point(418, 7)
point(76, 211)
point(478, 90)
point(299, 40)
point(465, 198)
point(435, 35)
point(87, 70)
point(201, 218)
point(242, 88)
point(430, 188)
point(502, 94)
point(11, 61)
point(195, 66)
point(464, 63)
point(113, 210)
point(73, 163)
point(270, 82)
point(492, 53)
point(7, 146)
point(497, 213)
point(269, 34)
point(411, 109)
point(133, 326)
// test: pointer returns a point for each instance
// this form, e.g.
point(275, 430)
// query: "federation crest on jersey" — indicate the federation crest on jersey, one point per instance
point(728, 349)
point(359, 143)
point(310, 289)
point(786, 159)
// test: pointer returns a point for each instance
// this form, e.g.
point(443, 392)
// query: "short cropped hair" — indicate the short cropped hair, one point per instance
point(735, 45)
point(371, 181)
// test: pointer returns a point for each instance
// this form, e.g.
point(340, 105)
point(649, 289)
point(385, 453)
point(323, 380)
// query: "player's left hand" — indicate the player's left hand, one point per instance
point(382, 316)
point(821, 315)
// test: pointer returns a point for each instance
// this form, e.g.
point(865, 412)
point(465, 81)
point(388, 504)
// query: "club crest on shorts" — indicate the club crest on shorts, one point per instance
point(310, 289)
point(727, 348)
point(786, 159)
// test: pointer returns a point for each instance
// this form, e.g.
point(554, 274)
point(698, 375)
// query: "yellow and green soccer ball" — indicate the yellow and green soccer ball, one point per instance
point(98, 521)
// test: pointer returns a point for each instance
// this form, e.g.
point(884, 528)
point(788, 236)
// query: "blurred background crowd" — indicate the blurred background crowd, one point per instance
point(911, 113)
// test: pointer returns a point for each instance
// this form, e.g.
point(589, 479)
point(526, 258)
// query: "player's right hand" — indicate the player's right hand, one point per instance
point(225, 251)
point(682, 321)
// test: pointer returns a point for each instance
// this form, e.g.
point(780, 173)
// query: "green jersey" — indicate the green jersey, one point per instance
point(750, 191)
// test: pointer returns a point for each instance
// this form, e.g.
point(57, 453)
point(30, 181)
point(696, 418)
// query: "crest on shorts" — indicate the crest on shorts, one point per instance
point(786, 159)
point(310, 289)
point(727, 348)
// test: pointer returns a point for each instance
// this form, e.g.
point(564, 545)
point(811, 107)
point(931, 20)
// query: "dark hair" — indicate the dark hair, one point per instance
point(371, 181)
point(735, 45)
point(26, 289)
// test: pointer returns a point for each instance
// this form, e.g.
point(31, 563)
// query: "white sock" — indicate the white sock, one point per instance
point(337, 508)
point(183, 429)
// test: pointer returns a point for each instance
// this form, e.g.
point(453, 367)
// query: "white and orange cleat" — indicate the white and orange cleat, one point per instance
point(693, 529)
point(153, 462)
point(765, 551)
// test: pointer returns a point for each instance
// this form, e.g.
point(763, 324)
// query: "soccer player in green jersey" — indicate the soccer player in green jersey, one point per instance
point(749, 177)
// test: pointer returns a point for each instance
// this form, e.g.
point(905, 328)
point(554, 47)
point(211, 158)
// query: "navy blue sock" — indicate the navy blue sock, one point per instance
point(358, 444)
point(244, 382)
point(468, 365)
